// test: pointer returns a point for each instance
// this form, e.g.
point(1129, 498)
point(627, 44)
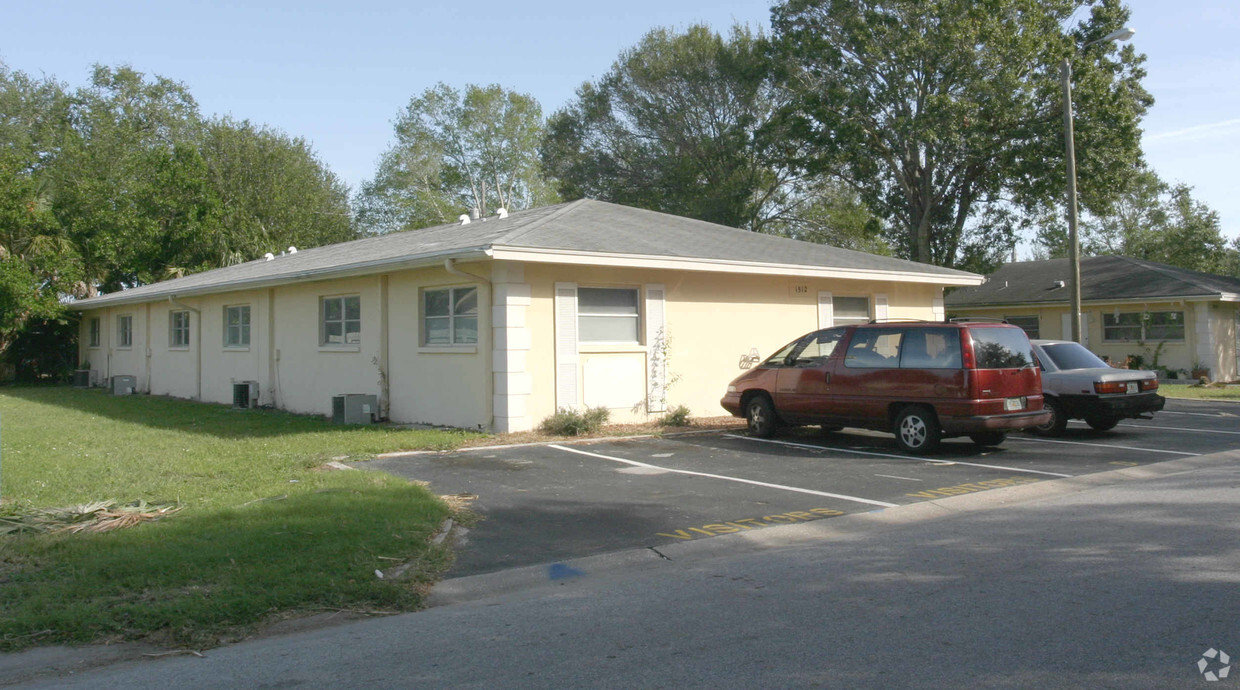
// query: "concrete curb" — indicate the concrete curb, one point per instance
point(846, 527)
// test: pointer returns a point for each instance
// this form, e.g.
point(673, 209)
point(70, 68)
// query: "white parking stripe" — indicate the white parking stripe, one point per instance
point(898, 457)
point(1180, 428)
point(1215, 415)
point(892, 476)
point(1104, 445)
point(725, 478)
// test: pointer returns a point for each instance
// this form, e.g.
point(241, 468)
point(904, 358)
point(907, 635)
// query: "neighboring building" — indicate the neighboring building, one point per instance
point(496, 323)
point(1128, 307)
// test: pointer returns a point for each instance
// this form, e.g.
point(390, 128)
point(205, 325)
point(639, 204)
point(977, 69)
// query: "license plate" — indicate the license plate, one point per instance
point(1132, 387)
point(1011, 404)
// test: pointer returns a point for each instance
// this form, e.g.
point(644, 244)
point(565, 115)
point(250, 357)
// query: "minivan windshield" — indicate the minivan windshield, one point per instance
point(1072, 356)
point(1001, 348)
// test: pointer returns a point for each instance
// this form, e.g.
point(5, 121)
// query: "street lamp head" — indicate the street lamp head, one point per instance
point(1120, 35)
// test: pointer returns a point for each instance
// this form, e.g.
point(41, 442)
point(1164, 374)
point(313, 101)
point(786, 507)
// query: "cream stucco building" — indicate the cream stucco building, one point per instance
point(497, 323)
point(1169, 317)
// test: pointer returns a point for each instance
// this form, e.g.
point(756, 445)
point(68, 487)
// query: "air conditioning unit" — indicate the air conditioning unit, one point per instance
point(245, 395)
point(123, 385)
point(354, 408)
point(81, 378)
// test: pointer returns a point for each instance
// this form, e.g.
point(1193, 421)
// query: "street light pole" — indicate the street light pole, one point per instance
point(1074, 244)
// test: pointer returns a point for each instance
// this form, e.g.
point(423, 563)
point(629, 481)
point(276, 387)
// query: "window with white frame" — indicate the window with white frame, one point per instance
point(608, 315)
point(237, 326)
point(1150, 325)
point(341, 321)
point(178, 329)
point(94, 332)
point(848, 310)
point(450, 316)
point(124, 331)
point(1028, 323)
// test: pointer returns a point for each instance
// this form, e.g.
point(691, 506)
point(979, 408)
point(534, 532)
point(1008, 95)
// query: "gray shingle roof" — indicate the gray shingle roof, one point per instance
point(584, 226)
point(1103, 278)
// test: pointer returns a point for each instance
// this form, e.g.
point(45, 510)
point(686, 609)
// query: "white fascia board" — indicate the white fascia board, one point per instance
point(307, 276)
point(1100, 302)
point(560, 256)
point(1229, 297)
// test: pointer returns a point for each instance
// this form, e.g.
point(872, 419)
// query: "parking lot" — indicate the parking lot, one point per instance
point(546, 503)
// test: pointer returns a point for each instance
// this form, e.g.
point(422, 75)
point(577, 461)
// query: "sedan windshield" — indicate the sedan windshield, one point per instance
point(1072, 356)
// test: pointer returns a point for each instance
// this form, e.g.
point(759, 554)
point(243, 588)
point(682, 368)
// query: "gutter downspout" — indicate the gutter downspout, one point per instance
point(449, 265)
point(172, 299)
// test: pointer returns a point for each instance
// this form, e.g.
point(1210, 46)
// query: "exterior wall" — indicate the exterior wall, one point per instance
point(1209, 333)
point(713, 320)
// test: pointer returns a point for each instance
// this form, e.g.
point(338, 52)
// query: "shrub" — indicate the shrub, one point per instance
point(574, 422)
point(677, 416)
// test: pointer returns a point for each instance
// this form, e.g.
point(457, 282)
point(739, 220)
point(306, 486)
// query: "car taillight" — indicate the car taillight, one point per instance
point(1105, 387)
point(1149, 385)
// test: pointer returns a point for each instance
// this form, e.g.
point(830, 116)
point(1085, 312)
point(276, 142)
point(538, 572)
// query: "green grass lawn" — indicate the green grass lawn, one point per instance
point(1200, 392)
point(263, 530)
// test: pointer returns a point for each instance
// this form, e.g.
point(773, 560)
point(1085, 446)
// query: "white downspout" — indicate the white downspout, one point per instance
point(172, 299)
point(449, 265)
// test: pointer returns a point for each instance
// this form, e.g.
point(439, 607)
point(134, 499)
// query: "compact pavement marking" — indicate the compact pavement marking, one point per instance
point(1106, 445)
point(1215, 415)
point(892, 476)
point(1180, 428)
point(900, 457)
point(635, 463)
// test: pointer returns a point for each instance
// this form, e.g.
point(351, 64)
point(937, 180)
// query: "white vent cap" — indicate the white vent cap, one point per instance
point(268, 256)
point(464, 219)
point(292, 250)
point(502, 213)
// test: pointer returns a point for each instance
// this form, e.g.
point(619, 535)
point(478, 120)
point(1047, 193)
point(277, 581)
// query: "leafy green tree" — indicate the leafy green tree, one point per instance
point(935, 110)
point(456, 153)
point(273, 192)
point(682, 123)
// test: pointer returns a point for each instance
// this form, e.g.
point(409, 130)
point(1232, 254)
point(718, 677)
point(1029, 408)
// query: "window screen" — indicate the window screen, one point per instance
point(607, 315)
point(849, 310)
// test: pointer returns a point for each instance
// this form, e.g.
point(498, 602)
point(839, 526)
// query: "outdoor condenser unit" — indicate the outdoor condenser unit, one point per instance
point(354, 408)
point(124, 385)
point(245, 394)
point(81, 378)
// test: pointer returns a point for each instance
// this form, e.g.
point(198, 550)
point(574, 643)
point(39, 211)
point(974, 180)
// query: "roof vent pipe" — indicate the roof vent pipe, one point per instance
point(1059, 283)
point(502, 213)
point(268, 256)
point(464, 219)
point(292, 250)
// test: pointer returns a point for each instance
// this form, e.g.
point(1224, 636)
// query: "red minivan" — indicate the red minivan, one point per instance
point(923, 381)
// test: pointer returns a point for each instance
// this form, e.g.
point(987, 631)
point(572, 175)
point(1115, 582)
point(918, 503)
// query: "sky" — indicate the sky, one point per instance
point(338, 73)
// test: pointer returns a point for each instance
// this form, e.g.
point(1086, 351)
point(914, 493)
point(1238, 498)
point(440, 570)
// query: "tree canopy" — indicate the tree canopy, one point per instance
point(935, 111)
point(456, 153)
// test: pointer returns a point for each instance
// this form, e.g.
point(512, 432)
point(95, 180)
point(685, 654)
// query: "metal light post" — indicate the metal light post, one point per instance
point(1074, 246)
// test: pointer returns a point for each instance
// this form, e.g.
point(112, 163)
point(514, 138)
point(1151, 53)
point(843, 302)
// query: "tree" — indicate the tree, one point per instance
point(273, 193)
point(457, 153)
point(1151, 220)
point(683, 124)
point(935, 110)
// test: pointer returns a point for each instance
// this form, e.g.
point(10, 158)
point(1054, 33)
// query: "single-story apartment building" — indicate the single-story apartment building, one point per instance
point(1188, 320)
point(499, 322)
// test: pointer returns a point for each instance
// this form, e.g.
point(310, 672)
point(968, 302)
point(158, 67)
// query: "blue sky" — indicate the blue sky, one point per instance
point(337, 72)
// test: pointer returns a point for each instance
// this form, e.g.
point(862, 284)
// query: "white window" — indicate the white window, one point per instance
point(450, 316)
point(124, 331)
point(851, 310)
point(341, 321)
point(607, 315)
point(94, 332)
point(1136, 326)
point(178, 329)
point(237, 326)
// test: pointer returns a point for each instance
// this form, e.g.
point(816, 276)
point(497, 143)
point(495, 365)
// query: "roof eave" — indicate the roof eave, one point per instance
point(333, 272)
point(1217, 297)
point(561, 256)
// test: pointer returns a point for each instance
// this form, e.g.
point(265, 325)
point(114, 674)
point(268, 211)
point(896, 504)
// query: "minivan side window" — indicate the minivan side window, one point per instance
point(874, 348)
point(930, 348)
point(1001, 348)
point(817, 348)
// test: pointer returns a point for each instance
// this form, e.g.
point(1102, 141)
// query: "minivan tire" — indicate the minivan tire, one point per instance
point(1058, 421)
point(760, 414)
point(917, 429)
point(1102, 423)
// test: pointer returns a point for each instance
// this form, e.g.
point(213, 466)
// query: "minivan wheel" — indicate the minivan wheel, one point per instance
point(760, 414)
point(917, 430)
point(988, 438)
point(1058, 421)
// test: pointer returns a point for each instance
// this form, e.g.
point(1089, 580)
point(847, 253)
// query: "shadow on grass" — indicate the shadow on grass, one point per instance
point(186, 416)
point(202, 578)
